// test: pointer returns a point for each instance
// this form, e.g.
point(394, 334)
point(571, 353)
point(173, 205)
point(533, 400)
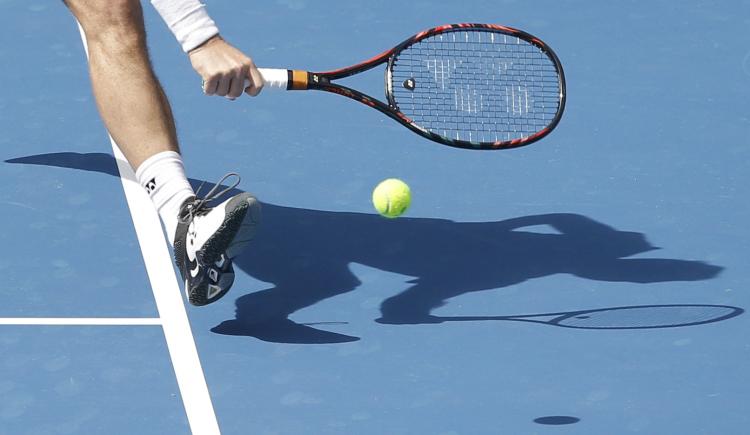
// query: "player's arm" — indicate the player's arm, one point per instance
point(223, 68)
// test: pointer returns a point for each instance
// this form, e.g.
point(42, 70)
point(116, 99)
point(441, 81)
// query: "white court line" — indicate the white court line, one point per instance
point(80, 321)
point(180, 342)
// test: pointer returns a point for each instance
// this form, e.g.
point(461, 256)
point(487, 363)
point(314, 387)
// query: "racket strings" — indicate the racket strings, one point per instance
point(476, 86)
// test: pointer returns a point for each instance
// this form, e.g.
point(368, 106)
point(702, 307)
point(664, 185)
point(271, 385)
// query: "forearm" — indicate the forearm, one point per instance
point(188, 21)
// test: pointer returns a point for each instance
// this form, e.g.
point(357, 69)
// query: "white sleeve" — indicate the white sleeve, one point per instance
point(188, 20)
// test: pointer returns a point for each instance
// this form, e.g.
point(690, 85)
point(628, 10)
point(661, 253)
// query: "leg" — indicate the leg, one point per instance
point(131, 101)
point(137, 114)
point(129, 97)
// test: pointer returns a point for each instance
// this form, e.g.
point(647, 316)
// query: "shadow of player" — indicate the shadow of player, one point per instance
point(305, 256)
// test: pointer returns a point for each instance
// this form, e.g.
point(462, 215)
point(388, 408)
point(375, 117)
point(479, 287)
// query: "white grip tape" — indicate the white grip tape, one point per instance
point(274, 78)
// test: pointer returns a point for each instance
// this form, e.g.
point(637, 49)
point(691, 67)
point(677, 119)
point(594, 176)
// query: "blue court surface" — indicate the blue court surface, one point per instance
point(594, 282)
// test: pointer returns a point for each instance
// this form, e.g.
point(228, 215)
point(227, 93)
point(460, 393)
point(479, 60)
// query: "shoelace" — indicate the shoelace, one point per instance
point(199, 204)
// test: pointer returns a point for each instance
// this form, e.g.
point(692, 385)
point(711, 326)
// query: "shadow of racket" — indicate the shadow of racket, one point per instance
point(628, 317)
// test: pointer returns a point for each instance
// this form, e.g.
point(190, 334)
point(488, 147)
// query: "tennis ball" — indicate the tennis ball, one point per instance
point(391, 197)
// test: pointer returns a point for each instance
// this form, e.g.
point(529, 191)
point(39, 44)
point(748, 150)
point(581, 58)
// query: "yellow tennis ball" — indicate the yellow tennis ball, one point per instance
point(391, 197)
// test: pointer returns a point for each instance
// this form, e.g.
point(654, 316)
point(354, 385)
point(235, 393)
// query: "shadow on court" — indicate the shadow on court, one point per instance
point(305, 255)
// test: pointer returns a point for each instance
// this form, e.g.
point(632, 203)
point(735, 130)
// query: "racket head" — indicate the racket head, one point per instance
point(475, 86)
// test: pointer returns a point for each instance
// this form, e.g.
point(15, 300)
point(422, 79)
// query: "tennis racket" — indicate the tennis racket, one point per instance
point(630, 317)
point(475, 86)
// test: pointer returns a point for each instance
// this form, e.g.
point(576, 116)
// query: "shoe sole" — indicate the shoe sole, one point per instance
point(234, 225)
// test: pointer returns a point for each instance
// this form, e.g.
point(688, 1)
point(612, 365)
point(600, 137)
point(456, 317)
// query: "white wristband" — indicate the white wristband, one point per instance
point(188, 21)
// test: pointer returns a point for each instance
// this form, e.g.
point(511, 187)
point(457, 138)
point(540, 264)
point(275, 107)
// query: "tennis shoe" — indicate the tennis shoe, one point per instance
point(207, 238)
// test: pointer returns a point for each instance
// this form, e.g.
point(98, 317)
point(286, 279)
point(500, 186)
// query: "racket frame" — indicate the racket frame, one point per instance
point(323, 81)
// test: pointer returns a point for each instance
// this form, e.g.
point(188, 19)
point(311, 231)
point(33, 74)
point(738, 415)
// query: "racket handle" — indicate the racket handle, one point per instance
point(274, 78)
point(287, 79)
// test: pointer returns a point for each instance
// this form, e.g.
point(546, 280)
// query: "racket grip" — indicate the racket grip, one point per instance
point(274, 78)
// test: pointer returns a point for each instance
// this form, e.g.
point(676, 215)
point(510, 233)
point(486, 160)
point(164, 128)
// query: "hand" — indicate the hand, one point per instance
point(225, 70)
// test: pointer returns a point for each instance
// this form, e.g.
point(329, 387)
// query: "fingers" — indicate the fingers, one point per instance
point(222, 88)
point(237, 83)
point(231, 85)
point(256, 82)
point(220, 85)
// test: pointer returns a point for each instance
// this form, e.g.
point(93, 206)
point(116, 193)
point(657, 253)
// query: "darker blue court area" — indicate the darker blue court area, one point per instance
point(594, 282)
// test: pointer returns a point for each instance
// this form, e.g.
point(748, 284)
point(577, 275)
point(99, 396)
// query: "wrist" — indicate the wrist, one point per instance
point(207, 43)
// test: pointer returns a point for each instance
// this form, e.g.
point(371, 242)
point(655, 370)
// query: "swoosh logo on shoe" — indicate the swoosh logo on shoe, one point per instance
point(190, 239)
point(194, 268)
point(192, 263)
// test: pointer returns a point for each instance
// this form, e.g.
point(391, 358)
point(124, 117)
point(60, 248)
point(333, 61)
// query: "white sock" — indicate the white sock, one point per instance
point(163, 177)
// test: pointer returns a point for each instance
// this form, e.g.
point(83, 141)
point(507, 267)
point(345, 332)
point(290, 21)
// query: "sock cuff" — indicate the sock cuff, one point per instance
point(163, 177)
point(146, 169)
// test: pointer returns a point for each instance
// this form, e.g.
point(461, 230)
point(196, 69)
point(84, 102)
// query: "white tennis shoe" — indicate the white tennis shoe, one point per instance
point(207, 238)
